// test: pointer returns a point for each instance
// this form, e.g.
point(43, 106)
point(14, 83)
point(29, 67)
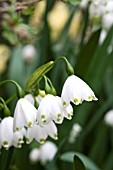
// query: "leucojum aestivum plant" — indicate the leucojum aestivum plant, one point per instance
point(38, 111)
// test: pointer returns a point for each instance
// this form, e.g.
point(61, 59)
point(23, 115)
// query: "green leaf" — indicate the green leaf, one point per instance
point(87, 53)
point(78, 164)
point(32, 81)
point(89, 165)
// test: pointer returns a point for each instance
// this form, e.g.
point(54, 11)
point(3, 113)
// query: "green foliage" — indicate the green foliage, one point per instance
point(81, 162)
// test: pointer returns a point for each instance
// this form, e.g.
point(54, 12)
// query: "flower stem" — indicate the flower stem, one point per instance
point(69, 68)
point(20, 91)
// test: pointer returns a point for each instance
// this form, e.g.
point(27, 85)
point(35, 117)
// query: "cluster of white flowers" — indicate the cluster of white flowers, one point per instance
point(100, 12)
point(75, 131)
point(38, 124)
point(43, 154)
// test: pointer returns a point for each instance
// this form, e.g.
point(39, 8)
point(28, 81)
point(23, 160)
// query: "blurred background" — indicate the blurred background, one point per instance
point(33, 33)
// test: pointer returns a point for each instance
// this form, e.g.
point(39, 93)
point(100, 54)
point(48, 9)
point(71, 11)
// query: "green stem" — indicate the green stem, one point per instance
point(6, 110)
point(10, 99)
point(69, 68)
point(20, 91)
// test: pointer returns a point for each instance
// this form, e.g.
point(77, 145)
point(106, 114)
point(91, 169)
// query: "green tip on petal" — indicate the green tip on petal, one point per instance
point(5, 143)
point(30, 124)
point(27, 140)
point(20, 140)
point(81, 101)
point(44, 121)
point(89, 97)
point(69, 115)
point(58, 120)
point(59, 114)
point(17, 128)
point(94, 98)
point(55, 136)
point(75, 100)
point(43, 116)
point(64, 103)
point(19, 145)
point(37, 122)
point(42, 140)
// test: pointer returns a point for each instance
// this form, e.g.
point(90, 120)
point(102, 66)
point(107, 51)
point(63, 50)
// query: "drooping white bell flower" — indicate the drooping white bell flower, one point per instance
point(108, 118)
point(51, 130)
point(18, 138)
point(40, 133)
point(6, 132)
point(49, 109)
point(36, 132)
point(24, 114)
point(47, 152)
point(67, 111)
point(34, 155)
point(30, 98)
point(75, 131)
point(76, 90)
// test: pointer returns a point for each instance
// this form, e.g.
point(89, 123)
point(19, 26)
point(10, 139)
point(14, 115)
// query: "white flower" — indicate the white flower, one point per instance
point(50, 109)
point(47, 152)
point(34, 155)
point(24, 115)
point(109, 7)
point(76, 129)
point(36, 132)
point(109, 118)
point(29, 52)
point(40, 133)
point(51, 130)
point(100, 12)
point(6, 132)
point(76, 90)
point(30, 98)
point(96, 11)
point(18, 138)
point(68, 112)
point(107, 21)
point(38, 98)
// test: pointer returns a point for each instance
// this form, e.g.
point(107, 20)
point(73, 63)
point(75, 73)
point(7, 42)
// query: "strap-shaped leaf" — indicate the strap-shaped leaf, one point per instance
point(88, 163)
point(78, 163)
point(32, 81)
